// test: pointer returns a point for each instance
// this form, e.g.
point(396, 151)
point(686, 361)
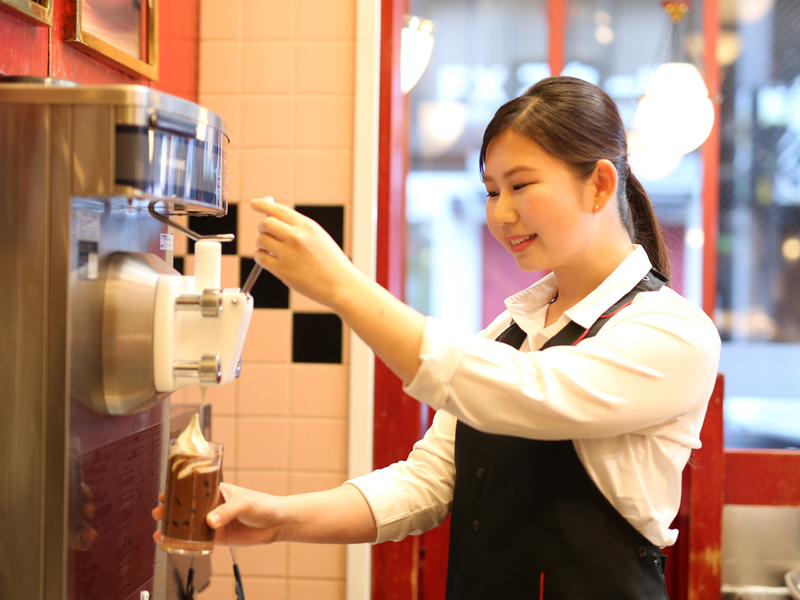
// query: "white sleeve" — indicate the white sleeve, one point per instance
point(650, 364)
point(414, 495)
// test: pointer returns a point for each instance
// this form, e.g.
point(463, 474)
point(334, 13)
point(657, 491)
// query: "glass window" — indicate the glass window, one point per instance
point(758, 312)
point(488, 51)
point(485, 53)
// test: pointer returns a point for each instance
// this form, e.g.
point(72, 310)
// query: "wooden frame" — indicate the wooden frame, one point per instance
point(40, 13)
point(76, 35)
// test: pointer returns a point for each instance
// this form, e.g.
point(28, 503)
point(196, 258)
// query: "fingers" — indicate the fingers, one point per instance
point(270, 208)
point(225, 512)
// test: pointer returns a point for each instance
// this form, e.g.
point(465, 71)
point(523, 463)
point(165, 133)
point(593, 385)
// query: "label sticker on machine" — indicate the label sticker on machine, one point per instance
point(87, 260)
point(167, 241)
point(87, 225)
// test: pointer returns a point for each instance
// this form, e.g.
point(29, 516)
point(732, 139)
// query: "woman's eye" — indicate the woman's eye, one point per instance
point(491, 194)
point(519, 186)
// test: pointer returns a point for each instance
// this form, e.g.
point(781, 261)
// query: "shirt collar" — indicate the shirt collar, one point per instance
point(630, 271)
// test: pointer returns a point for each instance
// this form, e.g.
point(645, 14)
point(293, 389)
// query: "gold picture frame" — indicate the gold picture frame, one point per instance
point(38, 12)
point(95, 38)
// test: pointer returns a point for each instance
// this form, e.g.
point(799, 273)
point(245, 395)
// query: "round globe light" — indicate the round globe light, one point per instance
point(675, 115)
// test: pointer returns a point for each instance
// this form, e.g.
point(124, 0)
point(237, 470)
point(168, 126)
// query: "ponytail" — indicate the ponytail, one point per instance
point(642, 224)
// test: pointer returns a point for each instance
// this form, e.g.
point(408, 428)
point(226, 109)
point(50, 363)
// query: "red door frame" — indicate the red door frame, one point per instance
point(397, 417)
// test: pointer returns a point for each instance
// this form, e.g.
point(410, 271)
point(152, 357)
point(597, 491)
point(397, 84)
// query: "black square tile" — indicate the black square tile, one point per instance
point(331, 218)
point(316, 338)
point(209, 225)
point(268, 291)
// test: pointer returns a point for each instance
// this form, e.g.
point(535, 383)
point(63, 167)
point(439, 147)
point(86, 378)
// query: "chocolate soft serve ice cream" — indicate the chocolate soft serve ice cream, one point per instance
point(192, 492)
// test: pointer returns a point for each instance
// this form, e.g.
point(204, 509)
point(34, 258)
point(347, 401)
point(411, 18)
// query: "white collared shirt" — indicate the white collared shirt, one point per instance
point(632, 399)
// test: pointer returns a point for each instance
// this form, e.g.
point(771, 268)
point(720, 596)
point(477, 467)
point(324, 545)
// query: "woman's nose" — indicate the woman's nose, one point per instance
point(504, 211)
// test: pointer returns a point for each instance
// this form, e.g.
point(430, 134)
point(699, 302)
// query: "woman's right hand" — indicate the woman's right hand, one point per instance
point(245, 517)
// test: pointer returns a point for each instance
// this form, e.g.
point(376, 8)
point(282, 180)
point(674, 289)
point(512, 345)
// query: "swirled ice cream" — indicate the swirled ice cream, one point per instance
point(191, 452)
point(192, 491)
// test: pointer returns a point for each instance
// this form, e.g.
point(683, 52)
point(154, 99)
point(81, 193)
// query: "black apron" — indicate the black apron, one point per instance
point(529, 522)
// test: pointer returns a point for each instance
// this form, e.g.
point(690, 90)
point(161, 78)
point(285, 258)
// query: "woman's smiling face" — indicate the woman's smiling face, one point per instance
point(535, 203)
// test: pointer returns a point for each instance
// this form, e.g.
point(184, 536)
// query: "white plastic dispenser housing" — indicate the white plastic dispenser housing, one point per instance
point(198, 328)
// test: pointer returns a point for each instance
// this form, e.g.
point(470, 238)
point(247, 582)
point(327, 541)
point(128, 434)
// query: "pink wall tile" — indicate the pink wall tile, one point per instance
point(188, 263)
point(267, 67)
point(264, 390)
point(324, 176)
point(303, 483)
point(267, 173)
point(259, 588)
point(220, 397)
point(318, 444)
point(220, 588)
point(267, 560)
point(263, 443)
point(319, 390)
point(325, 19)
point(219, 19)
point(223, 432)
point(268, 19)
point(323, 121)
point(229, 270)
point(316, 560)
point(304, 589)
point(282, 75)
point(247, 222)
point(269, 482)
point(269, 337)
point(180, 241)
point(269, 121)
point(325, 67)
point(219, 67)
point(221, 561)
point(300, 303)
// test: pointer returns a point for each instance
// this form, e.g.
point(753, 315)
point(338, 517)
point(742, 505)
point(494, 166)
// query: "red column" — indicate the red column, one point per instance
point(557, 26)
point(395, 566)
point(710, 153)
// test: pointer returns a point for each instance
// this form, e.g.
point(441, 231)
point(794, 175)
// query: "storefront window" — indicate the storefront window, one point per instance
point(759, 243)
point(487, 52)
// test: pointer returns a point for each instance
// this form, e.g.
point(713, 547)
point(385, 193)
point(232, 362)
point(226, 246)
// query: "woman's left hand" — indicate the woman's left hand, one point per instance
point(300, 253)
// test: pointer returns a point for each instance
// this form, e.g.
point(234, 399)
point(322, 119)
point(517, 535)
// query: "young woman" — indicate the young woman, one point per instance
point(563, 428)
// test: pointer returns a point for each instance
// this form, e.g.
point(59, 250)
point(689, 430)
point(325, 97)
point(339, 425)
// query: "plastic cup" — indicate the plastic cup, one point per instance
point(192, 492)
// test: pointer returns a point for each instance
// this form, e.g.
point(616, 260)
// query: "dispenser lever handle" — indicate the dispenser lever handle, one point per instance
point(251, 278)
point(223, 237)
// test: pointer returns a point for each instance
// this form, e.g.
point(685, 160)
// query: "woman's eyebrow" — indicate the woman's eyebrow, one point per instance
point(511, 171)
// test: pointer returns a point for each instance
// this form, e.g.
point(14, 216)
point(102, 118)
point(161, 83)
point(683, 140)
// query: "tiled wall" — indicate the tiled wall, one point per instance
point(281, 73)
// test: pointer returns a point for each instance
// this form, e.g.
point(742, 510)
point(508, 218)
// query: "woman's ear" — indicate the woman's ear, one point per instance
point(602, 185)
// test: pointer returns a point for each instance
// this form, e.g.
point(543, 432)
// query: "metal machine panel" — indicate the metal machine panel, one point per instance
point(77, 485)
point(23, 336)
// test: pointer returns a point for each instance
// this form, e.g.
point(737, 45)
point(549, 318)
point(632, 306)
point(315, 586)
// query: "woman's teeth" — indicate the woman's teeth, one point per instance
point(520, 240)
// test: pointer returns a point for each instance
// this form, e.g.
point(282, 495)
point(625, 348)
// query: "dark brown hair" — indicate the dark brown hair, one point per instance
point(580, 124)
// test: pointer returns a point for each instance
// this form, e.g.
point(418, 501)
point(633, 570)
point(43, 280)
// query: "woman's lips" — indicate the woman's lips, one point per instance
point(520, 243)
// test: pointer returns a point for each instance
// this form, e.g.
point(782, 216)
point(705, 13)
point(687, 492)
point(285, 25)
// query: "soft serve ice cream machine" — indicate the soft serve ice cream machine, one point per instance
point(97, 329)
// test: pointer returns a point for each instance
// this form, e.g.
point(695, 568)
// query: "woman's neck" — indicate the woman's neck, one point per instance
point(577, 281)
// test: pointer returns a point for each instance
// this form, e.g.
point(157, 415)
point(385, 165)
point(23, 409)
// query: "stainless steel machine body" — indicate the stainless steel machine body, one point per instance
point(79, 166)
